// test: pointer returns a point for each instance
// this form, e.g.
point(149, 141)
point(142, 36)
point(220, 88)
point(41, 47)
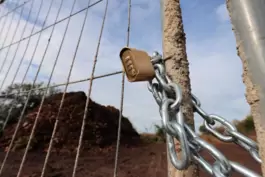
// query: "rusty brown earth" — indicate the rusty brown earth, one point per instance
point(137, 157)
point(141, 161)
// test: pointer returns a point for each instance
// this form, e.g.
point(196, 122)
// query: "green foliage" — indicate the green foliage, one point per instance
point(160, 133)
point(246, 125)
point(158, 136)
point(203, 129)
point(149, 138)
point(16, 95)
point(249, 123)
point(20, 91)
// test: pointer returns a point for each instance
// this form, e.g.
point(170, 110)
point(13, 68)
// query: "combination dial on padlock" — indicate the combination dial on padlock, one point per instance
point(137, 65)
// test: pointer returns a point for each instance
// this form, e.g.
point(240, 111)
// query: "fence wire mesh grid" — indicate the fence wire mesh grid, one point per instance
point(29, 33)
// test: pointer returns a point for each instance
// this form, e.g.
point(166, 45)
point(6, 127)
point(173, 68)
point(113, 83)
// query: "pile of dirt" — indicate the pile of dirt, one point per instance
point(100, 127)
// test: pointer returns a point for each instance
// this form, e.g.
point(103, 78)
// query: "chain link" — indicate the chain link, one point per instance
point(168, 96)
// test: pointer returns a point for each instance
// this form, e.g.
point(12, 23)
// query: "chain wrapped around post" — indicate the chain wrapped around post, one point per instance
point(168, 96)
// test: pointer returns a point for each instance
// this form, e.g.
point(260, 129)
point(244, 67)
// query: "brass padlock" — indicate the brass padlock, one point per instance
point(137, 65)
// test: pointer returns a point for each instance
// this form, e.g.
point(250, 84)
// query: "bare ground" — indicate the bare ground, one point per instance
point(147, 160)
point(233, 153)
point(142, 161)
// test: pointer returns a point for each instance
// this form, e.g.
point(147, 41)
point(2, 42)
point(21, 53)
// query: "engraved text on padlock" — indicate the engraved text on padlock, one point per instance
point(137, 65)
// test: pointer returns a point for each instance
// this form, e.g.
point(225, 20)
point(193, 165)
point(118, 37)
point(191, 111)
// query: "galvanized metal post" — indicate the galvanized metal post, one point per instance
point(177, 67)
point(247, 18)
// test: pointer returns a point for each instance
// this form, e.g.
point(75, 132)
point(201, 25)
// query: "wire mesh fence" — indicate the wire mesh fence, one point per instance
point(34, 42)
point(51, 49)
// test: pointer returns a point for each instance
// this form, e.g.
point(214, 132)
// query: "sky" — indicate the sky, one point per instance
point(215, 68)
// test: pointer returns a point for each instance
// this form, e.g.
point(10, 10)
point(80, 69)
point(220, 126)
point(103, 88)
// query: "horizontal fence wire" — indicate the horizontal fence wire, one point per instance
point(28, 93)
point(15, 53)
point(13, 37)
point(6, 95)
point(90, 88)
point(13, 10)
point(51, 25)
point(30, 10)
point(4, 20)
point(8, 28)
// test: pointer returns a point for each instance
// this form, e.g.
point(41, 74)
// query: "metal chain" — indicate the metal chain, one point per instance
point(168, 96)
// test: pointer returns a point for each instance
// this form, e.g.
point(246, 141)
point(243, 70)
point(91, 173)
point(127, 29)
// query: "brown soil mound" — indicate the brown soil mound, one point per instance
point(100, 128)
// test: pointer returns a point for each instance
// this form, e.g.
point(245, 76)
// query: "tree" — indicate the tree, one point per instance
point(16, 95)
point(249, 124)
point(203, 129)
point(246, 125)
point(160, 132)
point(177, 67)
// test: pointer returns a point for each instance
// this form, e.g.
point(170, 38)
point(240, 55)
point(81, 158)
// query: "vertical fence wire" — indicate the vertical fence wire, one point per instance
point(122, 95)
point(3, 14)
point(64, 93)
point(12, 39)
point(23, 56)
point(12, 106)
point(16, 50)
point(3, 25)
point(89, 91)
point(8, 49)
point(50, 26)
point(91, 79)
point(8, 30)
point(30, 92)
point(15, 8)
